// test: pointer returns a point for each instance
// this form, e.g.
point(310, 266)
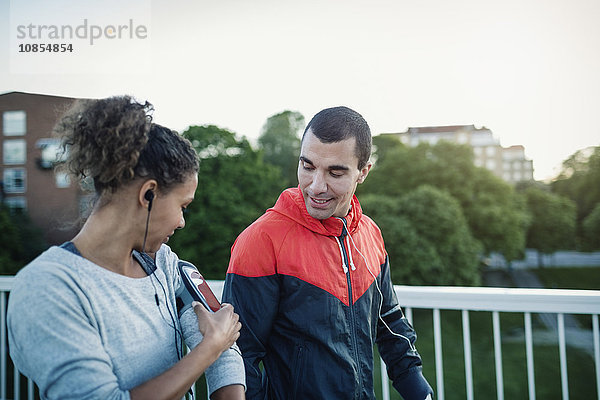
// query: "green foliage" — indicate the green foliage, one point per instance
point(234, 188)
point(427, 237)
point(413, 259)
point(552, 221)
point(585, 278)
point(384, 144)
point(20, 241)
point(579, 181)
point(496, 215)
point(591, 229)
point(280, 143)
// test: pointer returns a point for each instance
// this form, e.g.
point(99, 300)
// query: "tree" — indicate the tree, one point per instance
point(578, 181)
point(427, 237)
point(235, 187)
point(591, 229)
point(20, 241)
point(496, 215)
point(280, 142)
point(552, 221)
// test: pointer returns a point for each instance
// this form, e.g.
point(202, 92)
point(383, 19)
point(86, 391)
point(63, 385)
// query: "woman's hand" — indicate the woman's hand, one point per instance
point(221, 328)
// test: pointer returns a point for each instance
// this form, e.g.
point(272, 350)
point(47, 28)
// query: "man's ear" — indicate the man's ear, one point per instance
point(364, 172)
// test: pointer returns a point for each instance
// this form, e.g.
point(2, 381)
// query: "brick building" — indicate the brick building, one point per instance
point(28, 153)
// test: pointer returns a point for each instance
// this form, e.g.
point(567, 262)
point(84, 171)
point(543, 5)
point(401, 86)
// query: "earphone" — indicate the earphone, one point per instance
point(149, 195)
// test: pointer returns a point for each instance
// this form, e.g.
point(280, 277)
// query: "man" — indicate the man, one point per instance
point(310, 280)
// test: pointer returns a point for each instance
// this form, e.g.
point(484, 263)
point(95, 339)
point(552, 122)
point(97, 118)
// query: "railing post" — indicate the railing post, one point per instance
point(467, 346)
point(385, 384)
point(596, 351)
point(3, 345)
point(564, 379)
point(498, 356)
point(529, 350)
point(30, 389)
point(439, 366)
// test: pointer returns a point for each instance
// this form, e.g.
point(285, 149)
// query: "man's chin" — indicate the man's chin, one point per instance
point(318, 213)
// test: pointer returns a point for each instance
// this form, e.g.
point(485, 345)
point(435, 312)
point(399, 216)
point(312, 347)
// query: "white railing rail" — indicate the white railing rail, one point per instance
point(495, 300)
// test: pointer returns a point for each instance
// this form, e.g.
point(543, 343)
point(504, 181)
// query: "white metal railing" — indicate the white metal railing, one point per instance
point(466, 299)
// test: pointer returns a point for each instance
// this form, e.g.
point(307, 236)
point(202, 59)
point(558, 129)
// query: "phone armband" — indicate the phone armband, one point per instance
point(194, 288)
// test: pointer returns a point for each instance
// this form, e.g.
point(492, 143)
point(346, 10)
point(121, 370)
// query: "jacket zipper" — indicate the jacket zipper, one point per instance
point(351, 303)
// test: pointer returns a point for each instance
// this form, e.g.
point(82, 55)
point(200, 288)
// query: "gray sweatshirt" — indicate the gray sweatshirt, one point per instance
point(80, 331)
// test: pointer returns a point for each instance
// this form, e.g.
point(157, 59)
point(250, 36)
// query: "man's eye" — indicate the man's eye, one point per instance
point(184, 210)
point(307, 166)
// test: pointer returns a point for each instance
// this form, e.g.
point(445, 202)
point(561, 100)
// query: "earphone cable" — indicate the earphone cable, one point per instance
point(410, 345)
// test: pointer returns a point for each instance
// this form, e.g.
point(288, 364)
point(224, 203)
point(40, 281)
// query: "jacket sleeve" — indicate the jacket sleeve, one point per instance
point(396, 343)
point(252, 287)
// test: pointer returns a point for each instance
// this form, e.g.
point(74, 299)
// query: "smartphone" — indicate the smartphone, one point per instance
point(194, 288)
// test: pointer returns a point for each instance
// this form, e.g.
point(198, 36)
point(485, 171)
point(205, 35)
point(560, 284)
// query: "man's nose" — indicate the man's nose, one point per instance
point(319, 183)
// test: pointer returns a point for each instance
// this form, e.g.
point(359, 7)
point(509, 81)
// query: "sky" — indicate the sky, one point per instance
point(529, 70)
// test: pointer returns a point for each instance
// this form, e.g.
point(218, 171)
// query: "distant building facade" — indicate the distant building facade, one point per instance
point(508, 163)
point(28, 154)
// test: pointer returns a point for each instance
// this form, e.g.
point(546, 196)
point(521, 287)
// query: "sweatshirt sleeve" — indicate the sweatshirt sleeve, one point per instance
point(54, 341)
point(397, 345)
point(229, 367)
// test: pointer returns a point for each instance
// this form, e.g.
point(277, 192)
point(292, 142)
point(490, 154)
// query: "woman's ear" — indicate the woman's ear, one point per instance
point(147, 193)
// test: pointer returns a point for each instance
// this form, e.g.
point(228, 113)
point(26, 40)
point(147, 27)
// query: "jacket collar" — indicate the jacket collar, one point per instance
point(291, 204)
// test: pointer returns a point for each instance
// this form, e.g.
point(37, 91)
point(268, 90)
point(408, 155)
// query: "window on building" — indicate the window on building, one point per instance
point(16, 205)
point(490, 164)
point(14, 180)
point(14, 123)
point(51, 153)
point(462, 137)
point(490, 151)
point(14, 152)
point(62, 180)
point(507, 176)
point(477, 151)
point(517, 176)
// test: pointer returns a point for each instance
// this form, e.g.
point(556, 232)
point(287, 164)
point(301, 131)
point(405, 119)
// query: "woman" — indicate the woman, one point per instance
point(96, 318)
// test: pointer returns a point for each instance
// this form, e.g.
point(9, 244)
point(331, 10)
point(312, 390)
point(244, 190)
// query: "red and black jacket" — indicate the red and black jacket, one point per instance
point(309, 294)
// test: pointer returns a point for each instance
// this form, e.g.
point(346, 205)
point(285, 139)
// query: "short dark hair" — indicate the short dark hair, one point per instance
point(340, 123)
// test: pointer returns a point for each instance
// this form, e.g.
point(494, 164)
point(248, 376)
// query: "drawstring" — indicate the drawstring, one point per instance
point(348, 248)
point(337, 240)
point(352, 266)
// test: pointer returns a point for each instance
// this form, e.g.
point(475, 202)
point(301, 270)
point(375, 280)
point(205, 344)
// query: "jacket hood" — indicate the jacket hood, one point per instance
point(291, 204)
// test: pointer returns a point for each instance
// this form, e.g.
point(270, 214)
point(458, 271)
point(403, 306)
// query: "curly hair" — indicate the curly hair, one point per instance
point(114, 141)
